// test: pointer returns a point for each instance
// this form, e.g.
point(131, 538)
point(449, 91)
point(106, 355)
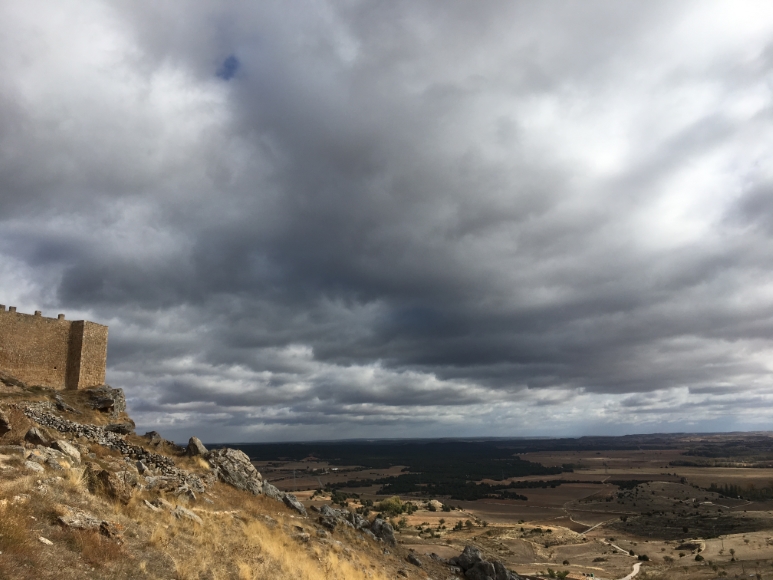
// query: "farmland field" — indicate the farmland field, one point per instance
point(685, 505)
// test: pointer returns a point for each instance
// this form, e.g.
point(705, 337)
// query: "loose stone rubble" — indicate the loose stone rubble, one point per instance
point(159, 466)
point(156, 471)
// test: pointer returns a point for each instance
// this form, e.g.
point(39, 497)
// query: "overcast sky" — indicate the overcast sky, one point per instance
point(317, 220)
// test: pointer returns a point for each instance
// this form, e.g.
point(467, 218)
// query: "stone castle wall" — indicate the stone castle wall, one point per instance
point(52, 352)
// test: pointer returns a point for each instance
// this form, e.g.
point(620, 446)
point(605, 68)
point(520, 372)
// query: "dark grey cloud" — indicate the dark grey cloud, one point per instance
point(356, 219)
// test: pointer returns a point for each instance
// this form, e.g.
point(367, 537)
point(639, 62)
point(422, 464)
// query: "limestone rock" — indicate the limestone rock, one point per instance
point(475, 567)
point(108, 400)
point(234, 468)
point(68, 449)
point(79, 520)
point(503, 573)
point(5, 423)
point(51, 457)
point(154, 437)
point(468, 558)
point(272, 491)
point(482, 570)
point(120, 428)
point(31, 465)
point(412, 559)
point(292, 502)
point(383, 529)
point(150, 506)
point(182, 513)
point(160, 502)
point(35, 436)
point(12, 450)
point(110, 529)
point(110, 484)
point(195, 447)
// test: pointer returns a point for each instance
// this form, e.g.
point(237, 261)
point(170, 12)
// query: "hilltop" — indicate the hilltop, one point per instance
point(82, 495)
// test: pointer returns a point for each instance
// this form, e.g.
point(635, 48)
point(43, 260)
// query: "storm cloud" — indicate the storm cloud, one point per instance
point(361, 219)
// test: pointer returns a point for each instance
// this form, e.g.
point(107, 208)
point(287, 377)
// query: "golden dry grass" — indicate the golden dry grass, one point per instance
point(242, 536)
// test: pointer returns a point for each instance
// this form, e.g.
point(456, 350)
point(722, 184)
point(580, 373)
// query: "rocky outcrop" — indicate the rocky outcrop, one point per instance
point(107, 400)
point(122, 428)
point(383, 529)
point(150, 470)
point(68, 449)
point(195, 447)
point(234, 468)
point(157, 465)
point(184, 514)
point(35, 436)
point(413, 559)
point(475, 567)
point(108, 482)
point(78, 519)
point(292, 502)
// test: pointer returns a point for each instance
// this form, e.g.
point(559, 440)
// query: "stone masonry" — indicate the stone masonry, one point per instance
point(52, 352)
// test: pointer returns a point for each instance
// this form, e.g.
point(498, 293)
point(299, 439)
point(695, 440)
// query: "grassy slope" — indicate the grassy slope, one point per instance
point(242, 536)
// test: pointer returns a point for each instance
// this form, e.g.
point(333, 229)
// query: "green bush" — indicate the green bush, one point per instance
point(391, 506)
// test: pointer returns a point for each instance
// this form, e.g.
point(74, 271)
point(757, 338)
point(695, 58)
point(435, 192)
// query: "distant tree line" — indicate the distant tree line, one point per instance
point(748, 492)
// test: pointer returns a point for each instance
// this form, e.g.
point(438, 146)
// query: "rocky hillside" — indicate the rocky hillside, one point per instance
point(82, 495)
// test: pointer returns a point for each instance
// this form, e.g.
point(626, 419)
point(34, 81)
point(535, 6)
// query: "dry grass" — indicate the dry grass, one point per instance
point(242, 536)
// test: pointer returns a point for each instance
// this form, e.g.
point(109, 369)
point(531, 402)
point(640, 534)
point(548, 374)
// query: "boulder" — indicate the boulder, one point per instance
point(184, 514)
point(68, 449)
point(154, 437)
point(468, 558)
point(108, 400)
point(195, 447)
point(32, 466)
point(12, 450)
point(234, 468)
point(503, 573)
point(5, 423)
point(109, 484)
point(120, 428)
point(292, 502)
point(51, 457)
point(150, 506)
point(160, 502)
point(471, 563)
point(79, 520)
point(482, 570)
point(383, 529)
point(412, 559)
point(35, 436)
point(272, 491)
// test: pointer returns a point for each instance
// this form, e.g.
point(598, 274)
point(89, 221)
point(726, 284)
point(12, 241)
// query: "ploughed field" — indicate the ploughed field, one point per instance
point(678, 505)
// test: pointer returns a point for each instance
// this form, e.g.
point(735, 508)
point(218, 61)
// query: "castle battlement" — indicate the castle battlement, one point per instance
point(53, 352)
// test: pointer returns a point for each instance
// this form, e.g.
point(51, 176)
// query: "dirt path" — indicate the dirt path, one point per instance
point(634, 572)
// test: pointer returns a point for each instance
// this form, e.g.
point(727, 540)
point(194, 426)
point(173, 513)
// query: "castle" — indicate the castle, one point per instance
point(52, 352)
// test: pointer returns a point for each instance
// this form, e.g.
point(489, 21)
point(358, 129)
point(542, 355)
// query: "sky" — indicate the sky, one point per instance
point(327, 220)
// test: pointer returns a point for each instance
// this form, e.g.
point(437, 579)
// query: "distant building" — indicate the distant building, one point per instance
point(52, 352)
